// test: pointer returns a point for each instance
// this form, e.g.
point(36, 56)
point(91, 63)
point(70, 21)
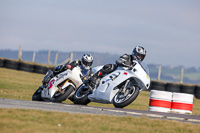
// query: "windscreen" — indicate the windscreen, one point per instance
point(145, 67)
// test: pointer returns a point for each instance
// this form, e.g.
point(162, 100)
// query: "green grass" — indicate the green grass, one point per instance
point(21, 85)
point(18, 84)
point(34, 121)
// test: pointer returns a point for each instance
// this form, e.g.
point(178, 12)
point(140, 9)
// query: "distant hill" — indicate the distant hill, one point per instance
point(42, 56)
point(171, 74)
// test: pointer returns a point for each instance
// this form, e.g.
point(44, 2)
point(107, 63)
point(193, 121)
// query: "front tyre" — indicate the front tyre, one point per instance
point(37, 95)
point(81, 95)
point(123, 99)
point(62, 96)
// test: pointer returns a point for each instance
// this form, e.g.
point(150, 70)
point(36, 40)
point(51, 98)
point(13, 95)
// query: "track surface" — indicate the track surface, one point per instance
point(71, 108)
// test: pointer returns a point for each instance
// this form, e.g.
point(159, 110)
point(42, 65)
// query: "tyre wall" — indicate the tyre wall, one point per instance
point(24, 66)
point(157, 86)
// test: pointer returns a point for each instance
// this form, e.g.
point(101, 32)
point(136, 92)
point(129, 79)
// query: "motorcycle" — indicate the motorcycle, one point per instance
point(60, 87)
point(120, 88)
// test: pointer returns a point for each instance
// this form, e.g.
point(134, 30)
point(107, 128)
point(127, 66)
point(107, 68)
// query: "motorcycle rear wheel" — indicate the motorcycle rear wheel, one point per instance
point(64, 95)
point(121, 100)
point(81, 95)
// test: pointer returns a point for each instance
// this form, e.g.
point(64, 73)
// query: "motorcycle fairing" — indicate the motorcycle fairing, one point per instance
point(107, 88)
point(73, 75)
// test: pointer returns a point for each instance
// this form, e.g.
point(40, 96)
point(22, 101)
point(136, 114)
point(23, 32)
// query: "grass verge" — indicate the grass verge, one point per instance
point(35, 121)
point(21, 85)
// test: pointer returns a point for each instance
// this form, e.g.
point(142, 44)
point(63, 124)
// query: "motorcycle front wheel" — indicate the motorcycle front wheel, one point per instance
point(81, 95)
point(62, 96)
point(37, 95)
point(123, 99)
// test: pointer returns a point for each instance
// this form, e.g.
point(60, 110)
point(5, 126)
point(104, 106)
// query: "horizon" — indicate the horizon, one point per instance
point(149, 63)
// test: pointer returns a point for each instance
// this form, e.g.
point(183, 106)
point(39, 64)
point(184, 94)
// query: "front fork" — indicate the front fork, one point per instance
point(125, 86)
point(129, 83)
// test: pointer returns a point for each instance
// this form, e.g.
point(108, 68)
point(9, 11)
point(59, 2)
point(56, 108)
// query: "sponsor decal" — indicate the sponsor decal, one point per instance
point(51, 83)
point(61, 76)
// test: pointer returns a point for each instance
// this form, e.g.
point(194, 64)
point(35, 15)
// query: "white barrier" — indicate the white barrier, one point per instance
point(160, 101)
point(182, 103)
point(163, 101)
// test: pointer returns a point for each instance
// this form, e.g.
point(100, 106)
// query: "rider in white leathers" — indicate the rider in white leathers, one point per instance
point(85, 65)
point(125, 60)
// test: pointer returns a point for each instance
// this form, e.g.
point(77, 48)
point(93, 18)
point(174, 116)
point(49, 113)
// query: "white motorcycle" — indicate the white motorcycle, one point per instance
point(60, 87)
point(120, 88)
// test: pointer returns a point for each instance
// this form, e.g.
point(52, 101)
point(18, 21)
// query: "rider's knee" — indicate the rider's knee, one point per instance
point(108, 68)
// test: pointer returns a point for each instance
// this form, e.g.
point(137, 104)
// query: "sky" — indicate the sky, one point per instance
point(169, 30)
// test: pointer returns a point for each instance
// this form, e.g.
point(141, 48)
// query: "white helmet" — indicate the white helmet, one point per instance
point(139, 53)
point(87, 61)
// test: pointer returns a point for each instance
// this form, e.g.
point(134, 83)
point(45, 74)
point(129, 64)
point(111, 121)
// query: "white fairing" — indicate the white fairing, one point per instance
point(96, 69)
point(107, 88)
point(72, 75)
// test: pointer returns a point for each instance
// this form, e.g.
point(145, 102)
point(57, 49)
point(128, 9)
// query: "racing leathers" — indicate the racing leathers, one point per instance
point(124, 61)
point(86, 73)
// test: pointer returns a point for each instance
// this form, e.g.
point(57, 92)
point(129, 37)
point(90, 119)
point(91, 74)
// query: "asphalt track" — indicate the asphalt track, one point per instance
point(72, 108)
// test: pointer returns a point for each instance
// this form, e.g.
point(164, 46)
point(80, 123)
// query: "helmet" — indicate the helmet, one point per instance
point(139, 53)
point(87, 61)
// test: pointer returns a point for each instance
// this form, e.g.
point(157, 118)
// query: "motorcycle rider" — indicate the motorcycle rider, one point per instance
point(85, 64)
point(125, 60)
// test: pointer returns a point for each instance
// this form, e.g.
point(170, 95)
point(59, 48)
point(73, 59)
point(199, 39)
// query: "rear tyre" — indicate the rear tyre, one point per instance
point(156, 85)
point(124, 99)
point(81, 95)
point(189, 89)
point(40, 69)
point(172, 87)
point(197, 92)
point(1, 62)
point(26, 67)
point(62, 97)
point(37, 95)
point(11, 64)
